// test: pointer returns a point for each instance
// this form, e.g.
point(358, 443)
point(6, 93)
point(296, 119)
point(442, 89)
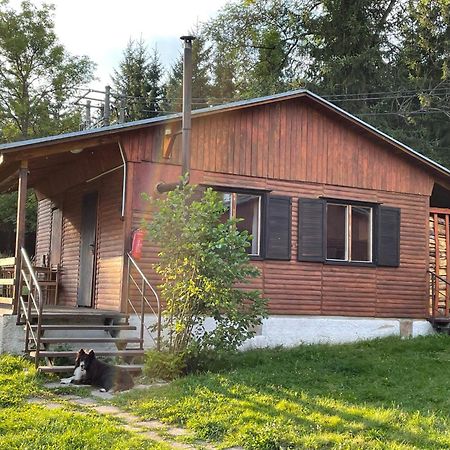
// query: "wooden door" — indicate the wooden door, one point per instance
point(87, 250)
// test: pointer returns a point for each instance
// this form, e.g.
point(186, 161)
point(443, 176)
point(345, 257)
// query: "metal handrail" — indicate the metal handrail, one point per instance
point(144, 301)
point(435, 293)
point(33, 286)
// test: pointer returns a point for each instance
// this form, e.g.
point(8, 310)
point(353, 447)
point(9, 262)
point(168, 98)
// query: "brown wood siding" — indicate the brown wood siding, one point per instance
point(109, 242)
point(315, 288)
point(110, 245)
point(291, 141)
point(292, 148)
point(43, 229)
point(70, 248)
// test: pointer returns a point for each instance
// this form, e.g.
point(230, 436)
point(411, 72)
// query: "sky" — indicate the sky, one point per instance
point(101, 29)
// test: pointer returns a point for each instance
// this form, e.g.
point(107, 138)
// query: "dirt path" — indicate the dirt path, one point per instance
point(151, 429)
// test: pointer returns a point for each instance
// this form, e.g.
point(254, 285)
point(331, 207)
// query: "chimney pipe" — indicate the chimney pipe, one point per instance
point(186, 121)
point(187, 106)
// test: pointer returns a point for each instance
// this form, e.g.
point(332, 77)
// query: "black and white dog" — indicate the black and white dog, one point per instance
point(89, 370)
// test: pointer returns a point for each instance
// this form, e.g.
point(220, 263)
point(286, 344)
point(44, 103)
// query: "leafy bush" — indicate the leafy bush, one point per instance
point(163, 365)
point(202, 257)
point(10, 364)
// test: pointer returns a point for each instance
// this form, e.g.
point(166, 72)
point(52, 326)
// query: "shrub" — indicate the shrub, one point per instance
point(163, 365)
point(202, 257)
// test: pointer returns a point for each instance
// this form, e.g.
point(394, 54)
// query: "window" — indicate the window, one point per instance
point(346, 232)
point(349, 232)
point(247, 208)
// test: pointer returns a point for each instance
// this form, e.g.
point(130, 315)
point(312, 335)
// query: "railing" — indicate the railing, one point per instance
point(143, 286)
point(439, 297)
point(35, 302)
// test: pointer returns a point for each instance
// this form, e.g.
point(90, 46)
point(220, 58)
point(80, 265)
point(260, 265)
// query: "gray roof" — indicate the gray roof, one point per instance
point(128, 126)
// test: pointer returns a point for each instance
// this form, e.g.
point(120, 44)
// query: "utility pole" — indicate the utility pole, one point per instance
point(87, 121)
point(107, 107)
point(122, 108)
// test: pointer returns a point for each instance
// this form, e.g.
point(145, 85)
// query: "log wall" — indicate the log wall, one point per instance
point(292, 148)
point(109, 259)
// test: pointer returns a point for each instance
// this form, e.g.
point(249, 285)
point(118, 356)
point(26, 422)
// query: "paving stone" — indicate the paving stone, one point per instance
point(152, 435)
point(84, 401)
point(127, 417)
point(175, 431)
point(71, 397)
point(102, 395)
point(151, 424)
point(53, 385)
point(105, 409)
point(43, 402)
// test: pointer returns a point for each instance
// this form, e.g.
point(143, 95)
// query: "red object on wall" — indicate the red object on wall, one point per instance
point(138, 242)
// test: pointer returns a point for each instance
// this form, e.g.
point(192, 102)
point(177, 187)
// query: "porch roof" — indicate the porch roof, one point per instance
point(15, 151)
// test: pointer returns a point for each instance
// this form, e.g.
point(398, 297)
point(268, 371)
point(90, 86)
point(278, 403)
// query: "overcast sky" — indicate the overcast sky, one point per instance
point(101, 29)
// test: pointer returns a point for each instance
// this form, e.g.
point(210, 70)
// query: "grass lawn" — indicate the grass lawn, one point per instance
point(28, 426)
point(383, 394)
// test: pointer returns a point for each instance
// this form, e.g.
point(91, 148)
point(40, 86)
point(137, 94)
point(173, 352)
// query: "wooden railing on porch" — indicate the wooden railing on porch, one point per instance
point(33, 308)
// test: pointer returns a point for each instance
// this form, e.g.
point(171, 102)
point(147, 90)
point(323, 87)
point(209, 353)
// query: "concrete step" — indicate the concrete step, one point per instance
point(6, 281)
point(69, 369)
point(73, 354)
point(6, 301)
point(7, 262)
point(90, 340)
point(85, 327)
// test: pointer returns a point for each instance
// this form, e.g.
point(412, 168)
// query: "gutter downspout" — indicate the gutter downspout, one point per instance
point(124, 183)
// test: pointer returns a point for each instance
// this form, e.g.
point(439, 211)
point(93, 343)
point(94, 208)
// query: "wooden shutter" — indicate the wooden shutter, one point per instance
point(388, 253)
point(311, 229)
point(278, 228)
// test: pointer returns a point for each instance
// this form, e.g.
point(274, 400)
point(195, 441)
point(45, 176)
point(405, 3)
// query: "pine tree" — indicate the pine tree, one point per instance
point(201, 83)
point(138, 78)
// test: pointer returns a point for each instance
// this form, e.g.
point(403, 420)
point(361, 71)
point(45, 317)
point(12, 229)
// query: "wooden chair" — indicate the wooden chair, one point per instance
point(48, 278)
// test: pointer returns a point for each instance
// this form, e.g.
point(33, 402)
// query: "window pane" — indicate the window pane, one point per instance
point(336, 232)
point(226, 198)
point(248, 209)
point(361, 236)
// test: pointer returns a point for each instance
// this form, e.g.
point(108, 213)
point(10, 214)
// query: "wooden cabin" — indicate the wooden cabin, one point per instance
point(339, 213)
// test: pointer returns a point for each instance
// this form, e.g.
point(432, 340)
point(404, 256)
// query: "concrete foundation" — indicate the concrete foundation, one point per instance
point(289, 331)
point(12, 336)
point(286, 331)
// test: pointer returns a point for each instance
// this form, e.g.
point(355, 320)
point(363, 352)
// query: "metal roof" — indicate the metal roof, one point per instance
point(128, 126)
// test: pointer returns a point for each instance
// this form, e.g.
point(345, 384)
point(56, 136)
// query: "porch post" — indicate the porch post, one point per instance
point(20, 227)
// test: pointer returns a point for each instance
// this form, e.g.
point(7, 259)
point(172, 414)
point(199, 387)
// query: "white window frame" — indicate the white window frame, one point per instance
point(232, 215)
point(348, 233)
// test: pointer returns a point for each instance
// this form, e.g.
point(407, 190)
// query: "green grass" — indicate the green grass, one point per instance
point(383, 394)
point(28, 426)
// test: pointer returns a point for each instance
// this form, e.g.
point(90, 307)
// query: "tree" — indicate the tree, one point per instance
point(38, 80)
point(202, 257)
point(423, 64)
point(201, 85)
point(259, 46)
point(139, 79)
point(38, 77)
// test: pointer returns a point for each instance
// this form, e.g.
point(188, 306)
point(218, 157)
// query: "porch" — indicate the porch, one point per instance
point(81, 287)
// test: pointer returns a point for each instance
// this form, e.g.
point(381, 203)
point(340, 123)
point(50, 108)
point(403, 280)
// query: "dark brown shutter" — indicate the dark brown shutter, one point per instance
point(388, 236)
point(311, 229)
point(278, 228)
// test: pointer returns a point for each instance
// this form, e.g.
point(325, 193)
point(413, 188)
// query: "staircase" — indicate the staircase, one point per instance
point(53, 335)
